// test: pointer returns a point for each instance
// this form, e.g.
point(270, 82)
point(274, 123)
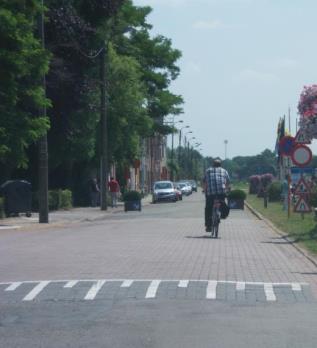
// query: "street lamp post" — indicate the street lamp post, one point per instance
point(172, 151)
point(180, 143)
point(195, 161)
point(226, 144)
point(188, 155)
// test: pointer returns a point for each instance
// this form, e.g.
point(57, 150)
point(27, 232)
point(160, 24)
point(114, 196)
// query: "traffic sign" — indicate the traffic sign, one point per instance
point(286, 145)
point(301, 155)
point(302, 138)
point(299, 170)
point(302, 206)
point(301, 187)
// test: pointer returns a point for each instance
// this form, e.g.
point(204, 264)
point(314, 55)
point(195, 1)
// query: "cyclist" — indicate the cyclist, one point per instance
point(216, 185)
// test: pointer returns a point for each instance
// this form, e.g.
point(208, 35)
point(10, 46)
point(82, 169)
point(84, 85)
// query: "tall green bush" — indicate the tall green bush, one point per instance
point(275, 191)
point(53, 199)
point(2, 214)
point(65, 199)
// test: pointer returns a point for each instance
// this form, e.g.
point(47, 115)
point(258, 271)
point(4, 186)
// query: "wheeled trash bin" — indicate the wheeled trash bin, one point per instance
point(17, 197)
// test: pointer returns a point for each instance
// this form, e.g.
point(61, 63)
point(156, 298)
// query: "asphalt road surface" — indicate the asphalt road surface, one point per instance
point(156, 279)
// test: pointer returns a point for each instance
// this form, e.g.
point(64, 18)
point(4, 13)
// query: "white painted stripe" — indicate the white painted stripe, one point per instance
point(183, 283)
point(13, 286)
point(91, 294)
point(296, 287)
point(211, 292)
point(127, 283)
point(152, 289)
point(70, 283)
point(149, 280)
point(36, 290)
point(269, 292)
point(240, 286)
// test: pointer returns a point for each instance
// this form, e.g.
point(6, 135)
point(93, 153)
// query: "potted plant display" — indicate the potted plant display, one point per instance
point(132, 201)
point(236, 199)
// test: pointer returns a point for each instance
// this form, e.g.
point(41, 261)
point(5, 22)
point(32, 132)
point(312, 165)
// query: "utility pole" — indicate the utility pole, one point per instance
point(172, 154)
point(43, 152)
point(104, 132)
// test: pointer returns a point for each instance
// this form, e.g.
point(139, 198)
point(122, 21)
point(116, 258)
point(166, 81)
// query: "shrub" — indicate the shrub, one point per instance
point(132, 196)
point(254, 182)
point(237, 194)
point(266, 179)
point(53, 199)
point(2, 214)
point(65, 199)
point(275, 191)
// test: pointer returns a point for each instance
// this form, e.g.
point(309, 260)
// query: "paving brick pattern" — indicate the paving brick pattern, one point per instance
point(165, 241)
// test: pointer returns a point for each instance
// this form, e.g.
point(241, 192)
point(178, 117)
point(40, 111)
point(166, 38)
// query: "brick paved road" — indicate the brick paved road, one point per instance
point(165, 241)
point(155, 279)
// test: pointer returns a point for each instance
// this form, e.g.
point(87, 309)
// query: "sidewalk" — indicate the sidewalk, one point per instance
point(65, 217)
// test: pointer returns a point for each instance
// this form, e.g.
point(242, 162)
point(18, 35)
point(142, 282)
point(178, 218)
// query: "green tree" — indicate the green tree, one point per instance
point(157, 59)
point(128, 118)
point(22, 65)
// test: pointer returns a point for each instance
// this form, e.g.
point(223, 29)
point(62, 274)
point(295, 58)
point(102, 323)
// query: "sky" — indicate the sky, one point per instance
point(244, 64)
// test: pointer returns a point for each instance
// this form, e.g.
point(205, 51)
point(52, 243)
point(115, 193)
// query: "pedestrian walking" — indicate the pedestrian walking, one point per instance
point(114, 189)
point(94, 192)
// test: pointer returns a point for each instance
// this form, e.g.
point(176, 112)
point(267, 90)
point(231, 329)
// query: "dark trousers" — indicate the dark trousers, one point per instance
point(208, 208)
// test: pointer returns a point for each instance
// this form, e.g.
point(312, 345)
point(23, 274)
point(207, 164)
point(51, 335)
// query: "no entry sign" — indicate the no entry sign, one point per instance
point(301, 155)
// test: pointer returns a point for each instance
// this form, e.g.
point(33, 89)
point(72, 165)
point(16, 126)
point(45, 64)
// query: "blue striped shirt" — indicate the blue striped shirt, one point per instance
point(216, 179)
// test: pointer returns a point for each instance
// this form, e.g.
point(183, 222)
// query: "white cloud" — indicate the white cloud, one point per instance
point(258, 76)
point(211, 24)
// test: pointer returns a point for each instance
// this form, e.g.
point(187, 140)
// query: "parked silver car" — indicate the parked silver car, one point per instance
point(185, 188)
point(164, 191)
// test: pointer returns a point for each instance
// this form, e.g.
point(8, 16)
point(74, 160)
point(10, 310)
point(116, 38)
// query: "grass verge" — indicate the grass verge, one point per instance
point(302, 231)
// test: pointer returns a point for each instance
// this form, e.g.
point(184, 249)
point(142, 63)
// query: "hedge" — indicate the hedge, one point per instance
point(237, 194)
point(57, 199)
point(2, 214)
point(275, 191)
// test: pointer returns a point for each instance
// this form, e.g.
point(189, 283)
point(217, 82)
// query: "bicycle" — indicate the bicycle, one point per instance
point(216, 216)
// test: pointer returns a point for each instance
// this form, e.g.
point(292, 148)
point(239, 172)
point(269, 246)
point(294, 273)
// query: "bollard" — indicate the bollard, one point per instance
point(265, 198)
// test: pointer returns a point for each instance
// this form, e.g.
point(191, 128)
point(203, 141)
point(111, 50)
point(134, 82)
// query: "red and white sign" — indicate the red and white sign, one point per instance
point(301, 138)
point(302, 187)
point(302, 206)
point(301, 155)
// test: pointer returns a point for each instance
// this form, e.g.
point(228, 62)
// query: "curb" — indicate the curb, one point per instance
point(300, 249)
point(19, 225)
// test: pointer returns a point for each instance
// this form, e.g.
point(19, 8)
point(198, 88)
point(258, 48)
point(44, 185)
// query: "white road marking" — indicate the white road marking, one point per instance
point(183, 283)
point(91, 294)
point(127, 283)
point(36, 290)
point(70, 283)
point(152, 289)
point(211, 292)
point(269, 292)
point(296, 287)
point(13, 286)
point(240, 286)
